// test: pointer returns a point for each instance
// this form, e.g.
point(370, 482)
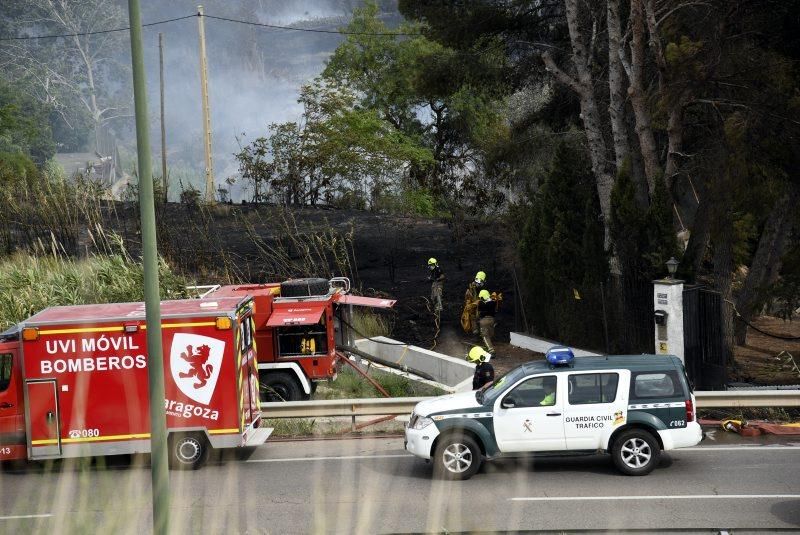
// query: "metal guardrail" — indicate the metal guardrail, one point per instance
point(748, 398)
point(339, 407)
point(400, 406)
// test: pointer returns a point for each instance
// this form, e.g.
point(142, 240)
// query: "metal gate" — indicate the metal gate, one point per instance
point(704, 350)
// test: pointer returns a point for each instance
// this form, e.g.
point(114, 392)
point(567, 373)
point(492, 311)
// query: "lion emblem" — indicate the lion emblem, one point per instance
point(198, 366)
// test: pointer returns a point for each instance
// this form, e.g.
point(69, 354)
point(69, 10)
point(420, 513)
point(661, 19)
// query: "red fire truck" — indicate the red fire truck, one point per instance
point(299, 324)
point(73, 381)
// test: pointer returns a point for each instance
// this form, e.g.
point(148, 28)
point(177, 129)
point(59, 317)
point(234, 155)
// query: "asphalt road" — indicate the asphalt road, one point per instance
point(372, 486)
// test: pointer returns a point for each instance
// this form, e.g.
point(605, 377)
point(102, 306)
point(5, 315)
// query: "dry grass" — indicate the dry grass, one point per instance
point(30, 283)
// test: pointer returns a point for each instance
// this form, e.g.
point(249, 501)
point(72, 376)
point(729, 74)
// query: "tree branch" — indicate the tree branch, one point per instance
point(560, 75)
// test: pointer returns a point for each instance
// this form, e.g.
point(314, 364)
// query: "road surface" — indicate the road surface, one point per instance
point(373, 486)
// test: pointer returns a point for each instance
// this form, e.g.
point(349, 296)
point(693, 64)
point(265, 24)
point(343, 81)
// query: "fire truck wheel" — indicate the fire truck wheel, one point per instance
point(304, 287)
point(279, 386)
point(187, 452)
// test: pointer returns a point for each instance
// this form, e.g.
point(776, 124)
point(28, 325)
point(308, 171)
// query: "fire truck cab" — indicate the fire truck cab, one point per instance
point(300, 325)
point(74, 381)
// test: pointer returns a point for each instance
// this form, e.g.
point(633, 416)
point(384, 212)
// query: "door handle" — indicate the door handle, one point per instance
point(6, 405)
point(50, 416)
point(554, 414)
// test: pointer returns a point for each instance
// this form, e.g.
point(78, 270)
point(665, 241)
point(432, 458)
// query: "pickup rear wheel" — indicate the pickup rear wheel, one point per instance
point(279, 386)
point(457, 456)
point(187, 452)
point(635, 452)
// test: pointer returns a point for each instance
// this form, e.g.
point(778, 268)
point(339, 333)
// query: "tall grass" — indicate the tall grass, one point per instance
point(350, 385)
point(290, 427)
point(30, 283)
point(294, 251)
point(45, 207)
point(368, 324)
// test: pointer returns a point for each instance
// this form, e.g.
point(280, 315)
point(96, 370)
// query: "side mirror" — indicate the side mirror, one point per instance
point(508, 403)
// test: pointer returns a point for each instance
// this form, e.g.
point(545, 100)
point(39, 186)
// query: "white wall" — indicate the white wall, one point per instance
point(453, 374)
point(668, 296)
point(541, 345)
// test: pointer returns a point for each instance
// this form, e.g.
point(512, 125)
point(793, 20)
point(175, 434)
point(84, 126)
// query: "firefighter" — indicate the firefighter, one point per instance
point(436, 276)
point(484, 372)
point(469, 316)
point(487, 308)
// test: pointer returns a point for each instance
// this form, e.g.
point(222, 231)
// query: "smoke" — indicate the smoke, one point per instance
point(254, 77)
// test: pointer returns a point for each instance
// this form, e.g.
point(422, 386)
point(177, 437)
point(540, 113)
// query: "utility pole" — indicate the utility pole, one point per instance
point(163, 129)
point(159, 469)
point(206, 111)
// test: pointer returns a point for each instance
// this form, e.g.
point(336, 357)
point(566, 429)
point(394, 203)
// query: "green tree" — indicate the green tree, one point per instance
point(428, 92)
point(562, 261)
point(77, 75)
point(337, 149)
point(24, 125)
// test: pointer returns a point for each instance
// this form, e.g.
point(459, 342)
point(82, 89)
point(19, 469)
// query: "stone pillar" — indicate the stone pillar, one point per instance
point(668, 323)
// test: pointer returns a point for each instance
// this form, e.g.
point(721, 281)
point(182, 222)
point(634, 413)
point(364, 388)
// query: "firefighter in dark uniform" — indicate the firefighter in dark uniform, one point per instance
point(484, 372)
point(436, 276)
point(487, 308)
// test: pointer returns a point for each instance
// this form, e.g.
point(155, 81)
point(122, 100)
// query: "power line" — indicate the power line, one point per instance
point(237, 21)
point(98, 32)
point(248, 23)
point(315, 30)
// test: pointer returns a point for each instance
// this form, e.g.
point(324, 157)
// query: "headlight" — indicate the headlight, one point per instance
point(420, 422)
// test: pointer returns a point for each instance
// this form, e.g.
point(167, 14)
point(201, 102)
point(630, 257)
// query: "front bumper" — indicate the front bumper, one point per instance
point(420, 441)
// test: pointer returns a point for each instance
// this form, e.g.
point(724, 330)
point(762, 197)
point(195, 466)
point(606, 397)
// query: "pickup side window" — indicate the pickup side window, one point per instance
point(656, 385)
point(535, 392)
point(6, 361)
point(586, 388)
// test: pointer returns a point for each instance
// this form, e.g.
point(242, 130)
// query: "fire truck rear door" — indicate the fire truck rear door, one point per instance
point(44, 433)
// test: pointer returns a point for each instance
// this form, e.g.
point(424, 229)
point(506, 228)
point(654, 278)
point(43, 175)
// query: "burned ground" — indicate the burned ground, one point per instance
point(387, 255)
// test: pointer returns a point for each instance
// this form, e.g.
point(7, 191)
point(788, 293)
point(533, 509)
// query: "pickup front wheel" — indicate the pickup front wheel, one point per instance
point(457, 456)
point(635, 452)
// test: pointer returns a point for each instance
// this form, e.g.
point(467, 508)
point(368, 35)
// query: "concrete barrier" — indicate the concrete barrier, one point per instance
point(449, 373)
point(541, 345)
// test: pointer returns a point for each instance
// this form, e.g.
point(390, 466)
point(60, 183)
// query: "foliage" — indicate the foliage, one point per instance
point(290, 427)
point(643, 238)
point(351, 385)
point(77, 77)
point(301, 250)
point(425, 91)
point(370, 324)
point(559, 250)
point(42, 207)
point(410, 201)
point(336, 149)
point(24, 125)
point(31, 283)
point(190, 195)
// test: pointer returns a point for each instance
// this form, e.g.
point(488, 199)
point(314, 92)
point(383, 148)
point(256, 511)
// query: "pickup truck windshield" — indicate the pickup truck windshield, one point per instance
point(489, 393)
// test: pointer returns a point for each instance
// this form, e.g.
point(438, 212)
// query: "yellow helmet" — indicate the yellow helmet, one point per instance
point(480, 276)
point(478, 354)
point(484, 294)
point(431, 261)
